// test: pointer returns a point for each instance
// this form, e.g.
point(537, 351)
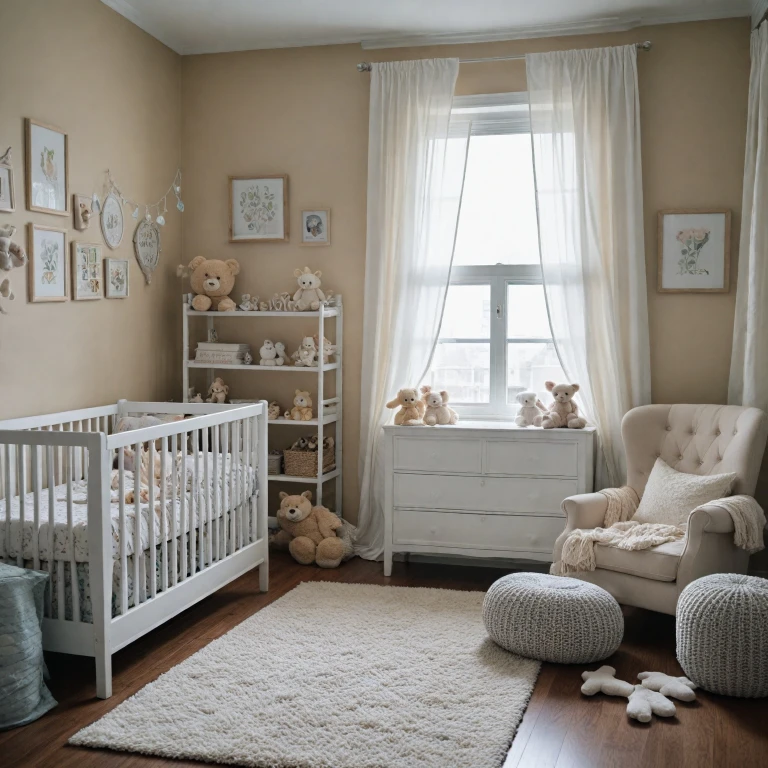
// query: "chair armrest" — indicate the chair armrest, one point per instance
point(585, 510)
point(709, 518)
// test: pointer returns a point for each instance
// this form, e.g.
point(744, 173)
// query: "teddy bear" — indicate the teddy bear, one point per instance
point(563, 412)
point(530, 408)
point(328, 349)
point(212, 280)
point(274, 410)
point(302, 407)
point(436, 410)
point(306, 354)
point(217, 392)
point(412, 408)
point(269, 354)
point(312, 531)
point(309, 296)
point(11, 254)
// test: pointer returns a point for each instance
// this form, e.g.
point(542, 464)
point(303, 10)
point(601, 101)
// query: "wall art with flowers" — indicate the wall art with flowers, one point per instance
point(116, 278)
point(694, 251)
point(258, 209)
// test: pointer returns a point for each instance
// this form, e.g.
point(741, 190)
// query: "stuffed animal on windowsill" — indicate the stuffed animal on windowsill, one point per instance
point(530, 408)
point(436, 409)
point(563, 412)
point(412, 408)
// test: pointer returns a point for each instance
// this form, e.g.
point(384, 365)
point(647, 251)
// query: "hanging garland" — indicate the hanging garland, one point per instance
point(161, 206)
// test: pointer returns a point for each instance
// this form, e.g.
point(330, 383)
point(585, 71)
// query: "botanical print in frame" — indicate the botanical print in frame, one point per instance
point(116, 278)
point(258, 209)
point(7, 193)
point(316, 227)
point(112, 221)
point(87, 271)
point(47, 264)
point(694, 251)
point(47, 168)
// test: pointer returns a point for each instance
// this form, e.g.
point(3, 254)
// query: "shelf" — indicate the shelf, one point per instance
point(269, 368)
point(296, 479)
point(329, 312)
point(312, 423)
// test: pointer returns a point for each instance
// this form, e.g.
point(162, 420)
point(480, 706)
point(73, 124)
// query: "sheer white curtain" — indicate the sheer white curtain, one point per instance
point(749, 360)
point(585, 121)
point(415, 174)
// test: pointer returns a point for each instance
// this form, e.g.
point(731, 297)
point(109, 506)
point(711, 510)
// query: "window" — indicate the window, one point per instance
point(495, 339)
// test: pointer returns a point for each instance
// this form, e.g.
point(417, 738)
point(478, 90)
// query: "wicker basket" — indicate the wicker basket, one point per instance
point(274, 463)
point(304, 463)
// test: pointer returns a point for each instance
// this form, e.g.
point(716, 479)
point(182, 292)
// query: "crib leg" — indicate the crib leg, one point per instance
point(103, 672)
point(264, 576)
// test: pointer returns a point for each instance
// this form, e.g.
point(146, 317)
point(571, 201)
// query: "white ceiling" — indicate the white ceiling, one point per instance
point(214, 26)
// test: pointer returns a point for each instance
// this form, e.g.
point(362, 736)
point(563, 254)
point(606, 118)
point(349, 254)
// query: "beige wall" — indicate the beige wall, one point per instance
point(304, 112)
point(116, 91)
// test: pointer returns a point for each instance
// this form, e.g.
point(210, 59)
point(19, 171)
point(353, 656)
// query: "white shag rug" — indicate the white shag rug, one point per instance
point(336, 676)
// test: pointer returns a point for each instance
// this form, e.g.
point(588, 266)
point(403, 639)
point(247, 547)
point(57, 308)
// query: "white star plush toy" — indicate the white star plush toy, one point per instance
point(603, 681)
point(680, 688)
point(644, 702)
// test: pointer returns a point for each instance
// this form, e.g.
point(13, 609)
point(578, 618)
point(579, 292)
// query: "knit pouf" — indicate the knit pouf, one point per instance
point(553, 618)
point(722, 630)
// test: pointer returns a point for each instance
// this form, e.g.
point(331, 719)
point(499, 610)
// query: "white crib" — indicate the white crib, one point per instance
point(119, 569)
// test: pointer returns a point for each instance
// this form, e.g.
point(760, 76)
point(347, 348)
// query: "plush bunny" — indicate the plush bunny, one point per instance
point(563, 412)
point(412, 408)
point(644, 702)
point(309, 296)
point(680, 688)
point(269, 355)
point(530, 408)
point(603, 681)
point(436, 409)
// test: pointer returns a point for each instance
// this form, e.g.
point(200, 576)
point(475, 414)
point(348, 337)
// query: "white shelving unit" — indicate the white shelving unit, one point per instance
point(327, 313)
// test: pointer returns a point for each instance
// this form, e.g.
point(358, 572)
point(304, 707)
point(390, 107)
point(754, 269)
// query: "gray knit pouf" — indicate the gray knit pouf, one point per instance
point(553, 618)
point(722, 630)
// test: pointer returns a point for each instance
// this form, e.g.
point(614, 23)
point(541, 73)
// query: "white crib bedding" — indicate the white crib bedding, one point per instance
point(10, 542)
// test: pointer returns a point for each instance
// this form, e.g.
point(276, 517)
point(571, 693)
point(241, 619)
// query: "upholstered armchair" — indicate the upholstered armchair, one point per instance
point(698, 439)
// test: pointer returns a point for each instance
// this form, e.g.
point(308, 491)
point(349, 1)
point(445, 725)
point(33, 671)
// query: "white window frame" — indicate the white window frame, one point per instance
point(495, 121)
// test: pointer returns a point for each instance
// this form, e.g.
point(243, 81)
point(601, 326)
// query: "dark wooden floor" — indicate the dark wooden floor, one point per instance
point(560, 728)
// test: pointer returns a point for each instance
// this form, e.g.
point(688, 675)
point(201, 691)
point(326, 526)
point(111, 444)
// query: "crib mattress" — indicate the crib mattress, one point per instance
point(16, 540)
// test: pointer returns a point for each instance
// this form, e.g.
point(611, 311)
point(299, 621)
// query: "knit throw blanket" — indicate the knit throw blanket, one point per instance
point(621, 532)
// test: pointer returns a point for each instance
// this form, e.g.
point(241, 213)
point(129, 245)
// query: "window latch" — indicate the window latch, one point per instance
point(499, 312)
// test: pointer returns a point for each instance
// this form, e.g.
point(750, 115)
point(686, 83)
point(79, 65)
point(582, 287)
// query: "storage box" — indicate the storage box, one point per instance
point(304, 463)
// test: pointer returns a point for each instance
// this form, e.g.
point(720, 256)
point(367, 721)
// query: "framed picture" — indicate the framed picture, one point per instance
point(82, 211)
point(694, 251)
point(47, 264)
point(112, 223)
point(316, 227)
point(87, 271)
point(146, 244)
point(47, 168)
point(116, 278)
point(258, 209)
point(7, 194)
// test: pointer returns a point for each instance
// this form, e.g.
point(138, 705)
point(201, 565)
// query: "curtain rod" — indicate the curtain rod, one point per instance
point(365, 66)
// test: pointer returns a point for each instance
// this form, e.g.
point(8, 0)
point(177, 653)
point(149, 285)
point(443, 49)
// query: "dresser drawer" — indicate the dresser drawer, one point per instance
point(424, 454)
point(465, 530)
point(532, 457)
point(492, 494)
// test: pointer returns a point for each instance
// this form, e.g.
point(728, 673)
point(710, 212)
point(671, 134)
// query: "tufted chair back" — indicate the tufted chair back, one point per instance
point(697, 439)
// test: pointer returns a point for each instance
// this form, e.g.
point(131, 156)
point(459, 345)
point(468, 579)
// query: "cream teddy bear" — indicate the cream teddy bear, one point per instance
point(530, 408)
point(563, 412)
point(217, 392)
point(311, 531)
point(309, 296)
point(268, 354)
point(412, 408)
point(302, 407)
point(436, 410)
point(306, 354)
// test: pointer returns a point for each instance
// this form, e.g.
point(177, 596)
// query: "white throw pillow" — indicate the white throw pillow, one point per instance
point(670, 496)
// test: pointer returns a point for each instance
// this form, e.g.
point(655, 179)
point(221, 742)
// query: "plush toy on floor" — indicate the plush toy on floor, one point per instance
point(412, 408)
point(311, 531)
point(680, 688)
point(530, 408)
point(436, 409)
point(603, 680)
point(643, 703)
point(563, 412)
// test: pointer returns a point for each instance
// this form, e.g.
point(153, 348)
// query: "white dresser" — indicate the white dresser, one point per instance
point(481, 489)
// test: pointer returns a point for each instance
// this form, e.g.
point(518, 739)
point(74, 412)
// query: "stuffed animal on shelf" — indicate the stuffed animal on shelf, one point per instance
point(306, 354)
point(311, 531)
point(329, 350)
point(530, 408)
point(680, 688)
point(412, 408)
point(309, 296)
point(270, 354)
point(193, 396)
point(273, 411)
point(217, 392)
point(603, 680)
point(644, 702)
point(247, 358)
point(212, 280)
point(302, 407)
point(248, 303)
point(436, 409)
point(563, 412)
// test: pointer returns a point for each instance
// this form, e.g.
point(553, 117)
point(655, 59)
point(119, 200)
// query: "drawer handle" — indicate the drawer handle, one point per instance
point(482, 482)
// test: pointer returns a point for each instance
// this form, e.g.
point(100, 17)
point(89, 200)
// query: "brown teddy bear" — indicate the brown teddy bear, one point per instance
point(412, 408)
point(312, 531)
point(213, 280)
point(302, 407)
point(563, 412)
